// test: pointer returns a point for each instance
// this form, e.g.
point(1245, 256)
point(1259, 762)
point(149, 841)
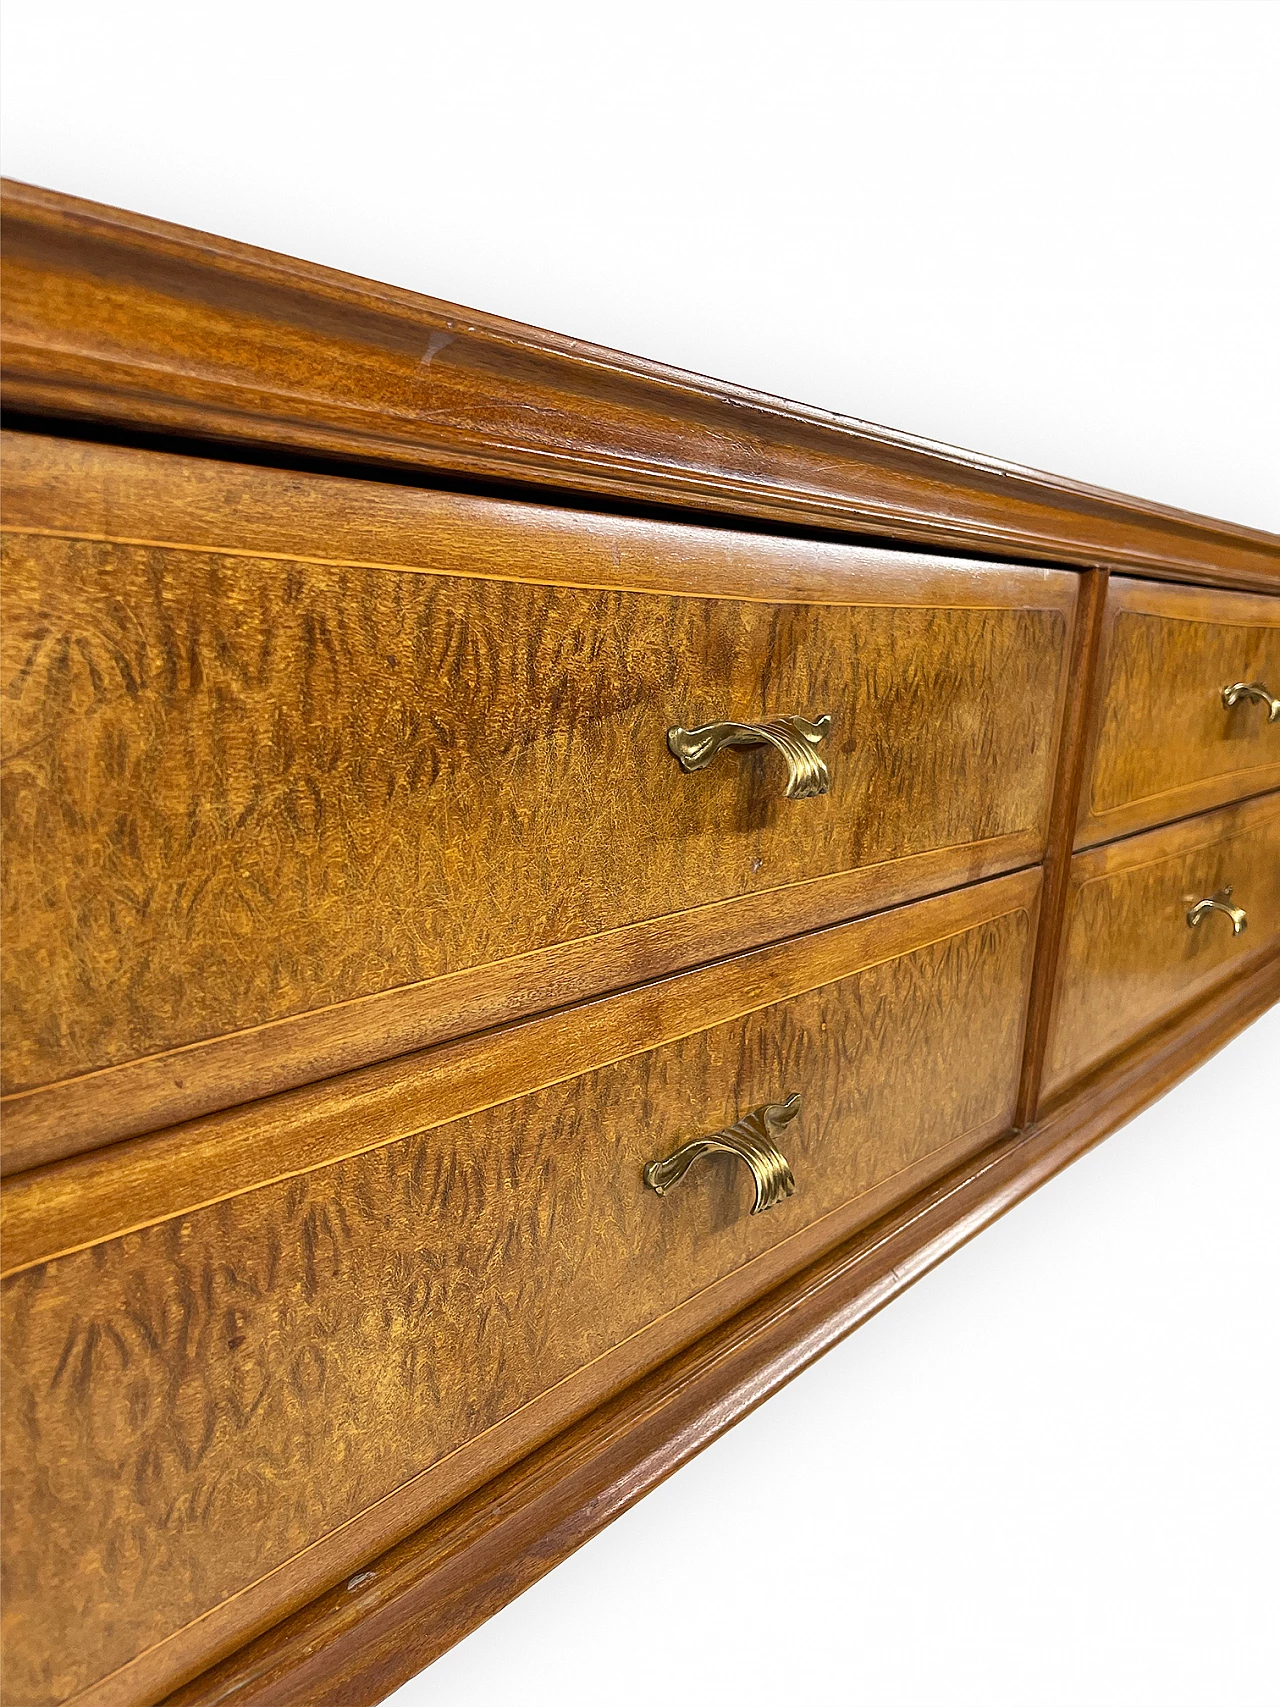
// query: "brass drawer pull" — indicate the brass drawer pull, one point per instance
point(1252, 690)
point(794, 737)
point(750, 1139)
point(1220, 902)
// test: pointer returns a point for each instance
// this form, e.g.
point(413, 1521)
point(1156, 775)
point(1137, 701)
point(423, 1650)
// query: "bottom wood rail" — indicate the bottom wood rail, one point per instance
point(355, 1644)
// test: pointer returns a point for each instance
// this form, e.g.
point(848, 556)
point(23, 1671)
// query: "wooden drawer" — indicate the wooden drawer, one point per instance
point(243, 1356)
point(305, 772)
point(1164, 745)
point(1129, 957)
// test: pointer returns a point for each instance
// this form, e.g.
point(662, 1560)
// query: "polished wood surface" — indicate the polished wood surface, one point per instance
point(247, 785)
point(220, 1396)
point(1072, 761)
point(364, 941)
point(354, 1645)
point(112, 317)
point(1128, 956)
point(69, 1205)
point(1164, 745)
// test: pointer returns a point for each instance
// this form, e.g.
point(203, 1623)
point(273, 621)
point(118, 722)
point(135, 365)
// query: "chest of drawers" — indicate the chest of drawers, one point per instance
point(539, 892)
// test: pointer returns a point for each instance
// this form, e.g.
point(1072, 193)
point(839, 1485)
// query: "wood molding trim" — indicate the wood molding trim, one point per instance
point(356, 1643)
point(1072, 751)
point(136, 324)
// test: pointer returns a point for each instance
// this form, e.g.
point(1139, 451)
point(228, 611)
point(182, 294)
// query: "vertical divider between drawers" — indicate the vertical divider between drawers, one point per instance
point(1068, 781)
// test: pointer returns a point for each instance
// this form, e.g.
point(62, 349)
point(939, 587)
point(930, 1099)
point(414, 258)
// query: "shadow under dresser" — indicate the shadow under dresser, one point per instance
point(539, 892)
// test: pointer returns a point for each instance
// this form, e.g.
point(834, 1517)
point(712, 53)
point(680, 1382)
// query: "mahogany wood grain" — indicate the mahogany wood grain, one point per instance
point(1077, 720)
point(112, 317)
point(264, 808)
point(204, 1417)
point(1163, 743)
point(364, 1638)
point(1128, 957)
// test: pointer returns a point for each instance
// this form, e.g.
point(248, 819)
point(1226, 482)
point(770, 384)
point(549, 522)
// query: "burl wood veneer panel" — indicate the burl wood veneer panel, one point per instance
point(288, 758)
point(1129, 958)
point(1164, 745)
point(247, 1399)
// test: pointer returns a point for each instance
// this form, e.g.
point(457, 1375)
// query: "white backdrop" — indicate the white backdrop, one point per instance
point(1044, 231)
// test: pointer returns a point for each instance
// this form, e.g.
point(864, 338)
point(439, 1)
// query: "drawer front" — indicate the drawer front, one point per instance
point(1130, 957)
point(336, 1354)
point(1165, 745)
point(307, 772)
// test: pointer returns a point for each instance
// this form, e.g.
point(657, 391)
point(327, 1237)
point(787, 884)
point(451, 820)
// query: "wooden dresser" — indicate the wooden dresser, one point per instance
point(540, 891)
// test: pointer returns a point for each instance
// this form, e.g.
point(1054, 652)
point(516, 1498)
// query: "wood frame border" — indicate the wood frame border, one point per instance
point(136, 324)
point(352, 1646)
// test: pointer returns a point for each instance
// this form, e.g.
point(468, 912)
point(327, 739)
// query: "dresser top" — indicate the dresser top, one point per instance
point(134, 324)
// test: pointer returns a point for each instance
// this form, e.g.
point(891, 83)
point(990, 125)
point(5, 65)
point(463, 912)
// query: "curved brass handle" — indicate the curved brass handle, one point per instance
point(1252, 690)
point(1219, 902)
point(794, 737)
point(751, 1140)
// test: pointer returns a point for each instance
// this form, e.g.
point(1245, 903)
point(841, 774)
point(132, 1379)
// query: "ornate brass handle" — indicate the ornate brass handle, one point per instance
point(751, 1140)
point(794, 737)
point(1219, 902)
point(1252, 690)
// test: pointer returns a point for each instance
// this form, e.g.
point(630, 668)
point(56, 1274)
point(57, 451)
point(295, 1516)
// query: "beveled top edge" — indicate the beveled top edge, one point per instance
point(115, 317)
